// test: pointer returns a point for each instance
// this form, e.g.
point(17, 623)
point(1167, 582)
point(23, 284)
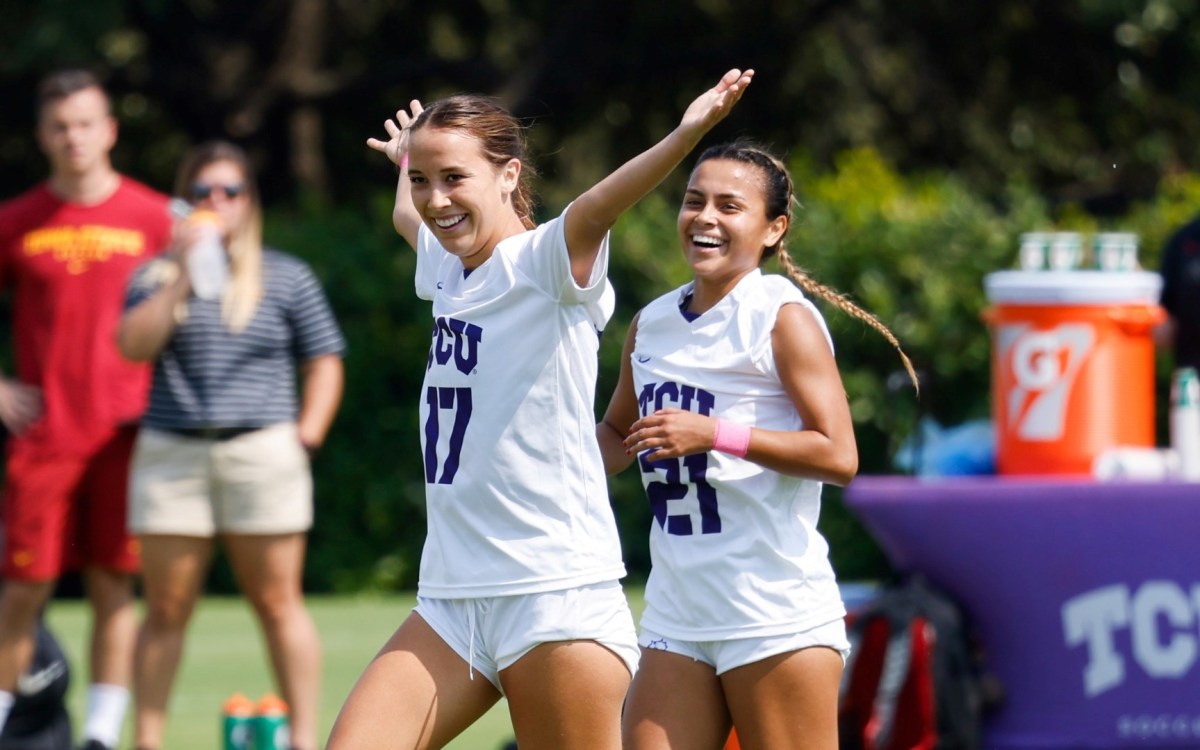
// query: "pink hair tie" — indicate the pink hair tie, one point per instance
point(404, 162)
point(731, 438)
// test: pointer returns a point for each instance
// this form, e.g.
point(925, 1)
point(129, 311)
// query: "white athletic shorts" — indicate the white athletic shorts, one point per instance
point(738, 652)
point(492, 633)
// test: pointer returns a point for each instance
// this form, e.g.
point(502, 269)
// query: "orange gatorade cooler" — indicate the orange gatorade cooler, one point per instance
point(1072, 366)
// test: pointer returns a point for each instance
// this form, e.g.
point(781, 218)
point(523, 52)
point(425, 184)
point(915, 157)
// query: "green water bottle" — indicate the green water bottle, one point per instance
point(237, 719)
point(271, 729)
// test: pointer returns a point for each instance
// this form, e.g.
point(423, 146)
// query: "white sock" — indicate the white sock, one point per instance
point(106, 706)
point(6, 704)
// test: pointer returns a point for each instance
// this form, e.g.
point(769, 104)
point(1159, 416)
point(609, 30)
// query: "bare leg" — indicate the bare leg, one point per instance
point(269, 570)
point(114, 625)
point(174, 571)
point(566, 696)
point(675, 701)
point(20, 604)
point(786, 701)
point(415, 694)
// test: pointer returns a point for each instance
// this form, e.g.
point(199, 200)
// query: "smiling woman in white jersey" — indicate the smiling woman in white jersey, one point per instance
point(519, 592)
point(731, 401)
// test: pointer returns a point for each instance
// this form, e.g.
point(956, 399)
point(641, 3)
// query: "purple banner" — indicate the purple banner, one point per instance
point(1086, 597)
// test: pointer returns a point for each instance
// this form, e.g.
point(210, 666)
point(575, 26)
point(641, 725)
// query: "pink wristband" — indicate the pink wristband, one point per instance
point(404, 162)
point(731, 438)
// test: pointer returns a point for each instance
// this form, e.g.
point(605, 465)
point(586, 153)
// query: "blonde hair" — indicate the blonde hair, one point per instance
point(240, 300)
point(780, 196)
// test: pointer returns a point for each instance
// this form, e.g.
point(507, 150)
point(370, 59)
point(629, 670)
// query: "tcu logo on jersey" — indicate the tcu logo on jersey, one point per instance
point(655, 396)
point(678, 502)
point(1041, 365)
point(455, 339)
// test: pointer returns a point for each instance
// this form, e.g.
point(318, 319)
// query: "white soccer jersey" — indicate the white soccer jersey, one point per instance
point(734, 546)
point(516, 494)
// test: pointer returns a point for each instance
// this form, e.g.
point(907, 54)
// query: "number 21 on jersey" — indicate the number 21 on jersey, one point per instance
point(671, 484)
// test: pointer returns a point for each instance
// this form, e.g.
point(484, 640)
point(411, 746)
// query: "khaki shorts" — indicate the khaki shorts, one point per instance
point(256, 483)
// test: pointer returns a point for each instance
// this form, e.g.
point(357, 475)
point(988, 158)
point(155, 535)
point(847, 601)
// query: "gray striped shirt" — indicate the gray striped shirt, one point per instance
point(207, 376)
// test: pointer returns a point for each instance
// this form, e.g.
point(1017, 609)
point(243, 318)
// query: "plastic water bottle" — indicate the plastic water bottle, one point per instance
point(237, 722)
point(271, 729)
point(208, 265)
point(1185, 422)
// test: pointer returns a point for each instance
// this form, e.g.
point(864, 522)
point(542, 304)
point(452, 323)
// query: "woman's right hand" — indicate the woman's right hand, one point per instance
point(20, 405)
point(405, 218)
point(397, 144)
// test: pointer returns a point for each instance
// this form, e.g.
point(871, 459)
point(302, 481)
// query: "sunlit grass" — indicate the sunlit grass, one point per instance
point(224, 654)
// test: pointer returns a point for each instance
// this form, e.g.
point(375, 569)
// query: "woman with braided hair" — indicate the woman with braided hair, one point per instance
point(731, 402)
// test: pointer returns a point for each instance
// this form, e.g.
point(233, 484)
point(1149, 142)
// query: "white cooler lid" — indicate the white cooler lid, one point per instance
point(1084, 287)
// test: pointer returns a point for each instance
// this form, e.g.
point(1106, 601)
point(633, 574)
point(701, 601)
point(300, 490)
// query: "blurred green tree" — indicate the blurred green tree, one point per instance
point(925, 136)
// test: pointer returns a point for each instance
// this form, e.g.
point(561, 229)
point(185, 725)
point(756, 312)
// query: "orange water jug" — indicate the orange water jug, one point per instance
point(1072, 366)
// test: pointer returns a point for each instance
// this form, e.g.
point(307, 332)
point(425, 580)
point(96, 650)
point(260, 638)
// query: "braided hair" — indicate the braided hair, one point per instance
point(780, 196)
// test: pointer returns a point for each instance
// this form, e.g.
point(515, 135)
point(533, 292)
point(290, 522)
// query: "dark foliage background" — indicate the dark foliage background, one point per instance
point(925, 137)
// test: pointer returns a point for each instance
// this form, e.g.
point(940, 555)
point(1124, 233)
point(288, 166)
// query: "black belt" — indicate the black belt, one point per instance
point(210, 433)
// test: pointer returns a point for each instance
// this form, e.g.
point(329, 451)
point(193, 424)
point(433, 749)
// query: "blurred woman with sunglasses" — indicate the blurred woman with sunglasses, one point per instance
point(225, 443)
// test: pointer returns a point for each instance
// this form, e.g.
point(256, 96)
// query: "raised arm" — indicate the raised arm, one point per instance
point(594, 213)
point(145, 329)
point(405, 218)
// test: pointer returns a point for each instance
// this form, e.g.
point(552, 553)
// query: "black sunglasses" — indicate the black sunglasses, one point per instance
point(199, 192)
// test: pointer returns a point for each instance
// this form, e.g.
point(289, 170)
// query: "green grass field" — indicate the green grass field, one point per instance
point(224, 654)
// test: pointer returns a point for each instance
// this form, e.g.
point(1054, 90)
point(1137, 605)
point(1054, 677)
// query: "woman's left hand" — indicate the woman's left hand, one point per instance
point(671, 433)
point(713, 105)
